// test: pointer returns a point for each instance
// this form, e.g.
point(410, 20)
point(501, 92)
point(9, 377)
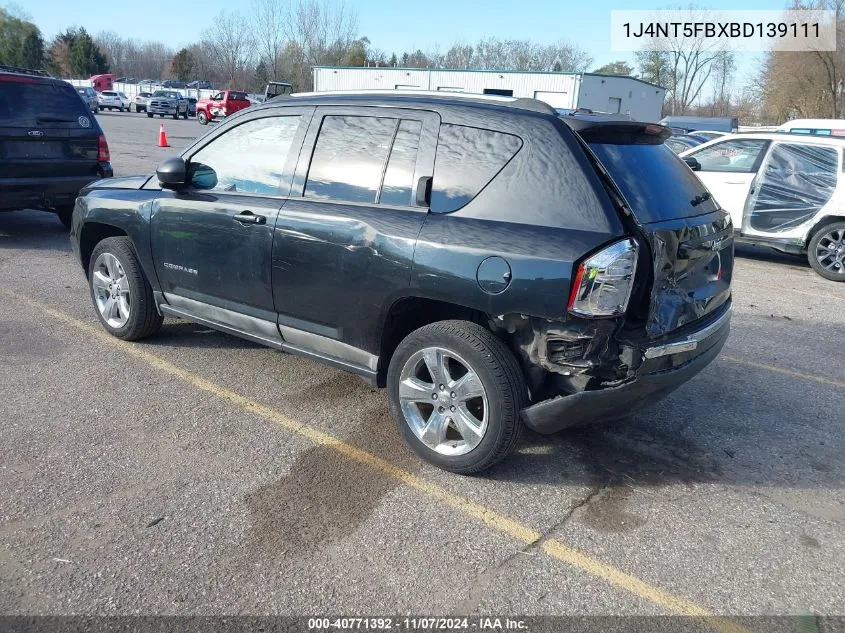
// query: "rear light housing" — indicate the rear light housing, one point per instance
point(103, 149)
point(603, 282)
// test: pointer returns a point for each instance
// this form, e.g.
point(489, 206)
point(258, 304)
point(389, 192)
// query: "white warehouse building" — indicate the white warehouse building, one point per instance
point(609, 93)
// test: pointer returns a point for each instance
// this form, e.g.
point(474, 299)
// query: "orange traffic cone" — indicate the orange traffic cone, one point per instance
point(162, 137)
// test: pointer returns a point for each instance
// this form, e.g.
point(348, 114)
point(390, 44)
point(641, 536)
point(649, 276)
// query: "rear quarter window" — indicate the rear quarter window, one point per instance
point(467, 160)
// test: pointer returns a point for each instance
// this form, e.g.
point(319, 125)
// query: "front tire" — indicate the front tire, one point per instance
point(826, 251)
point(455, 391)
point(202, 118)
point(149, 115)
point(122, 296)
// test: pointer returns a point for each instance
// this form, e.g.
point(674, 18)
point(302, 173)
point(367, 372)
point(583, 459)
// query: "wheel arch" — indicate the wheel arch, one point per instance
point(411, 312)
point(818, 226)
point(91, 234)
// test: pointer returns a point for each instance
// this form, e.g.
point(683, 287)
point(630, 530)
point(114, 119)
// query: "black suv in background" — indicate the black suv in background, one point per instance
point(490, 263)
point(51, 146)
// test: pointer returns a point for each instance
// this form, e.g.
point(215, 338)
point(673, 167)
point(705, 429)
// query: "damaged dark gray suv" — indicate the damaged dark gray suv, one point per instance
point(490, 263)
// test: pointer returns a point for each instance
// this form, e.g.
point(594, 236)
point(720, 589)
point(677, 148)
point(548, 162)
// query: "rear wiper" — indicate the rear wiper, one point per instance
point(46, 118)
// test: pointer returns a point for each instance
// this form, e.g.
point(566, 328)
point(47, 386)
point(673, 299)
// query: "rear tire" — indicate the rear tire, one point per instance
point(464, 349)
point(826, 251)
point(142, 319)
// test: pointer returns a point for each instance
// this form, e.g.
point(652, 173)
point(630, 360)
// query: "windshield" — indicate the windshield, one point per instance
point(655, 182)
point(165, 94)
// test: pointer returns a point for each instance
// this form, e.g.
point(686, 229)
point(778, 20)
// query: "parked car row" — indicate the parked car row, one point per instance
point(683, 142)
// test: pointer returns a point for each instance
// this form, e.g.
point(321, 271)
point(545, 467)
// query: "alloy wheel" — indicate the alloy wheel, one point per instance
point(443, 401)
point(830, 251)
point(111, 290)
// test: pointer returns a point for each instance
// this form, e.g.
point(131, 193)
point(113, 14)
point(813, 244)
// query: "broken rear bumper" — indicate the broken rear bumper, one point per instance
point(665, 367)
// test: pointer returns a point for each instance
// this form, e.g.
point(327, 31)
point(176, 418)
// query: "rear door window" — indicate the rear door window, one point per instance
point(467, 160)
point(655, 182)
point(349, 158)
point(795, 182)
point(737, 156)
point(41, 104)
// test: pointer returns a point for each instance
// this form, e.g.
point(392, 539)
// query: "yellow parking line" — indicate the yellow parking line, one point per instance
point(516, 530)
point(787, 372)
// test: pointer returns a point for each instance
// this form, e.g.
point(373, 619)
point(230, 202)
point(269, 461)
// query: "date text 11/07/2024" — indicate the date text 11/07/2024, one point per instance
point(417, 624)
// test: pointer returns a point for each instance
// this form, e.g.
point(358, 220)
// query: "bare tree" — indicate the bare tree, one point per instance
point(685, 63)
point(491, 53)
point(831, 62)
point(113, 47)
point(318, 33)
point(724, 67)
point(231, 42)
point(268, 23)
point(458, 56)
point(805, 84)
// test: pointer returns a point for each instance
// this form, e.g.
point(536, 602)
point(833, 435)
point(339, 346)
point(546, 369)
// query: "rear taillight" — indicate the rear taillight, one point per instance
point(103, 149)
point(603, 282)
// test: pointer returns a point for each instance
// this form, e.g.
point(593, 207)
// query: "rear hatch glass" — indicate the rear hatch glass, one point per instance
point(22, 102)
point(45, 130)
point(655, 182)
point(689, 235)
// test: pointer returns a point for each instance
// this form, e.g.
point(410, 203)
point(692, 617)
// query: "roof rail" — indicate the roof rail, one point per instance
point(521, 103)
point(24, 71)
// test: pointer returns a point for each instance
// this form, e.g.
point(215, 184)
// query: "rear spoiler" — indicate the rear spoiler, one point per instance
point(619, 132)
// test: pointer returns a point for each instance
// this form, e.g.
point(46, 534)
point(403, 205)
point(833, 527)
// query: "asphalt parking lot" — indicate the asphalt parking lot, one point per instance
point(197, 473)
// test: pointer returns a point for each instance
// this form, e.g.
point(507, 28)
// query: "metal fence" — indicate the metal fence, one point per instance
point(131, 90)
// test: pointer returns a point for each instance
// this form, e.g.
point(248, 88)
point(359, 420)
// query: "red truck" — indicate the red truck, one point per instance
point(221, 105)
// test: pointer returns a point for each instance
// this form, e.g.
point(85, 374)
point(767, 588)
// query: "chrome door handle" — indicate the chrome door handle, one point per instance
point(248, 217)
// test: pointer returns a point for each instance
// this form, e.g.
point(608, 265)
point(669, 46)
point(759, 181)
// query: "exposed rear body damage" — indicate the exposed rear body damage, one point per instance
point(679, 315)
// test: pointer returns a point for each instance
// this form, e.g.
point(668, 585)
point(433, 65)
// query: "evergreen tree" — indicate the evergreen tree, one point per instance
point(86, 59)
point(182, 65)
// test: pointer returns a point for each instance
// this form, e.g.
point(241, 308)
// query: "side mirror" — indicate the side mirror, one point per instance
point(424, 191)
point(693, 163)
point(171, 173)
